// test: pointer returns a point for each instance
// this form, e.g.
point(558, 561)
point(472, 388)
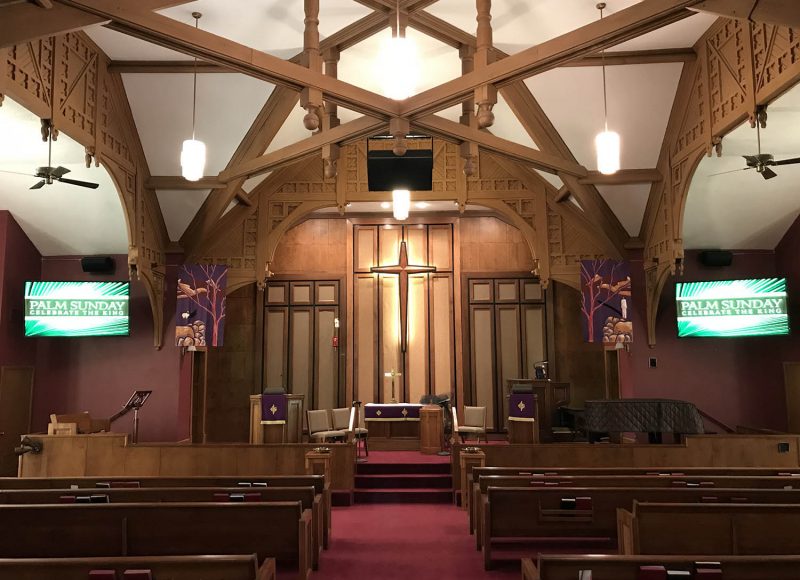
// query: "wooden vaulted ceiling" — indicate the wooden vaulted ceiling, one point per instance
point(542, 59)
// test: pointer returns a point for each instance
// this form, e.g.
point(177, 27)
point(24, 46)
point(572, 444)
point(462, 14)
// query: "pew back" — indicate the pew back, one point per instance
point(612, 567)
point(172, 567)
point(669, 528)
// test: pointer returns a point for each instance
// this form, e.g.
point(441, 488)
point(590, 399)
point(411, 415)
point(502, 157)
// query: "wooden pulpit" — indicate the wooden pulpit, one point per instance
point(291, 431)
point(430, 429)
point(550, 395)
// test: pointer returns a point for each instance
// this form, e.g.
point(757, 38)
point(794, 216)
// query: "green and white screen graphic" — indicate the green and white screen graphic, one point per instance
point(732, 308)
point(76, 308)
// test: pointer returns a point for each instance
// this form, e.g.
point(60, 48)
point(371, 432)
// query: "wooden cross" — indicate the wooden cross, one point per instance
point(402, 270)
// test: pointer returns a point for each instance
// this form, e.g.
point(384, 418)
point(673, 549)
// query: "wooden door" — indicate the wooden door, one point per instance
point(16, 392)
point(791, 379)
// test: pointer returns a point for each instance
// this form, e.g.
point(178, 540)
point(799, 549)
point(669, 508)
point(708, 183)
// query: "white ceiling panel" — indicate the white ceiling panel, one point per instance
point(119, 46)
point(178, 208)
point(628, 202)
point(49, 215)
point(640, 98)
point(162, 110)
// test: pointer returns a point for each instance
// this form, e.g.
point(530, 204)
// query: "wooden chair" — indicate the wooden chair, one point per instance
point(474, 423)
point(320, 428)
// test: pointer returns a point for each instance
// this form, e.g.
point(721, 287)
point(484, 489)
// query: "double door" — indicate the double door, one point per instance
point(302, 341)
point(507, 336)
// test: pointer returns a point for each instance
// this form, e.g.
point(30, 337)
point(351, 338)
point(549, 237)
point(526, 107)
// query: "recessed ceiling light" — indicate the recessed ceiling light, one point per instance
point(422, 204)
point(385, 205)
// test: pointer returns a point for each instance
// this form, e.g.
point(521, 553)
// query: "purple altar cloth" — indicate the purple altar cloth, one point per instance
point(522, 407)
point(391, 412)
point(273, 409)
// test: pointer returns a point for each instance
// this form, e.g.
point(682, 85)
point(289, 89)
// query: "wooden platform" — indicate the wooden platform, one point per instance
point(393, 435)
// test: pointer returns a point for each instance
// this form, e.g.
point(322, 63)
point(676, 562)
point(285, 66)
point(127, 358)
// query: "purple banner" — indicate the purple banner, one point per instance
point(391, 412)
point(522, 407)
point(606, 301)
point(200, 318)
point(273, 408)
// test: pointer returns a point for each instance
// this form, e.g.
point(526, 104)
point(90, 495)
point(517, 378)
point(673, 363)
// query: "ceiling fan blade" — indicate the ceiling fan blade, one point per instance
point(760, 159)
point(78, 183)
point(17, 173)
point(768, 173)
point(731, 171)
point(788, 161)
point(60, 171)
point(39, 185)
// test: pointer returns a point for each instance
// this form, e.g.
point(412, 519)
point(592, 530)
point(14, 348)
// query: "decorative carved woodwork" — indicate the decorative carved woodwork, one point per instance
point(740, 67)
point(65, 80)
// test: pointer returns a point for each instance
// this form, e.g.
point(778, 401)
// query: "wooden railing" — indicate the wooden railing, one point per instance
point(725, 428)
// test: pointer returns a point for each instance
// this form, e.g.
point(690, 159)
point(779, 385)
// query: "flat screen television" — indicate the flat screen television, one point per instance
point(68, 309)
point(731, 308)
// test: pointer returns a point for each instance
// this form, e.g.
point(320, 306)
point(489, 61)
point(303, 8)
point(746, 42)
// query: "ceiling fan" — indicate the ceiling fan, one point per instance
point(762, 162)
point(49, 174)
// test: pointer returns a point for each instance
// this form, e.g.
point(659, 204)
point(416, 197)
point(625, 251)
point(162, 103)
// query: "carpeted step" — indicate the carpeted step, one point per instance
point(402, 468)
point(404, 481)
point(403, 496)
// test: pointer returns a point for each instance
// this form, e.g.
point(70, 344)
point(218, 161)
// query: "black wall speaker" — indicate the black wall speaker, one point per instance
point(98, 264)
point(412, 171)
point(716, 258)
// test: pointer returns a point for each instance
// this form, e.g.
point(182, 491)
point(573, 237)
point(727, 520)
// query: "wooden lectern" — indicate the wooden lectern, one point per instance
point(550, 395)
point(430, 429)
point(289, 432)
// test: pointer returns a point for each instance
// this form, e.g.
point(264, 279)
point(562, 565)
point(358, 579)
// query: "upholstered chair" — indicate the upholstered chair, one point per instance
point(474, 423)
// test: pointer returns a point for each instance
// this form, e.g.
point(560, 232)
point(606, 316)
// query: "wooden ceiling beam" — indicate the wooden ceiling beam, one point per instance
point(626, 24)
point(181, 37)
point(452, 131)
point(24, 21)
point(622, 177)
point(178, 182)
point(164, 67)
point(344, 133)
point(627, 57)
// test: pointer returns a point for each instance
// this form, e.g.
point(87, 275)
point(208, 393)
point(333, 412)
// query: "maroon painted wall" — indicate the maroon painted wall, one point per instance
point(19, 261)
point(98, 374)
point(737, 380)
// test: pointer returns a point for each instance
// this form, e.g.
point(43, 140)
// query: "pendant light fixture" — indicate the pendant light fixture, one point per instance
point(607, 143)
point(401, 204)
point(397, 66)
point(193, 153)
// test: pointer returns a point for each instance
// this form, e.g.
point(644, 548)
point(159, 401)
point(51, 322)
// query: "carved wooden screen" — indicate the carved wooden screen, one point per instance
point(428, 365)
point(301, 340)
point(507, 335)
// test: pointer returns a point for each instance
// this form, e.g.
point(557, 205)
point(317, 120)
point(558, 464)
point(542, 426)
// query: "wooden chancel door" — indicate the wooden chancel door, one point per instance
point(507, 336)
point(16, 389)
point(302, 338)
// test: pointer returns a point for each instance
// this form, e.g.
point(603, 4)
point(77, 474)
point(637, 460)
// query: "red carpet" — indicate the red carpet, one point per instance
point(402, 542)
point(405, 457)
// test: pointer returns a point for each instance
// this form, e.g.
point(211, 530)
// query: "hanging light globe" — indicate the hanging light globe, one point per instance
point(193, 159)
point(607, 144)
point(401, 204)
point(398, 67)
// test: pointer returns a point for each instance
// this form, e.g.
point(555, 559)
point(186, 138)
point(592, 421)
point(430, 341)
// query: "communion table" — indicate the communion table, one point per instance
point(392, 426)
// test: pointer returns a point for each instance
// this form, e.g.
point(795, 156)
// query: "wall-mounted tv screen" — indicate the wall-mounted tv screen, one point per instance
point(730, 308)
point(76, 308)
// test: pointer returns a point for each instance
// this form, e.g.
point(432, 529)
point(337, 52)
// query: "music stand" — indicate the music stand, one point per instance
point(136, 402)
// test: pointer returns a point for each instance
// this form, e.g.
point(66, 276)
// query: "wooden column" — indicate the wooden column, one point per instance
point(311, 99)
point(469, 150)
point(467, 462)
point(330, 152)
point(486, 95)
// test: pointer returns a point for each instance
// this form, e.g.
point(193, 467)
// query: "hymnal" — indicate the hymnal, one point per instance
point(652, 573)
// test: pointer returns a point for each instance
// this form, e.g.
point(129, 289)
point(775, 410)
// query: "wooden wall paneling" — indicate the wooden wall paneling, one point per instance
point(326, 359)
point(389, 338)
point(460, 321)
point(482, 355)
point(440, 247)
point(417, 356)
point(534, 337)
point(347, 367)
point(276, 334)
point(389, 238)
point(199, 384)
point(301, 353)
point(531, 291)
point(365, 338)
point(441, 335)
point(326, 292)
point(416, 237)
point(277, 294)
point(365, 248)
point(506, 291)
point(481, 291)
point(301, 293)
point(509, 354)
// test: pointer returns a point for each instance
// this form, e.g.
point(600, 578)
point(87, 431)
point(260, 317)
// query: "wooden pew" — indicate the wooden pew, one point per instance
point(172, 567)
point(612, 567)
point(318, 481)
point(708, 481)
point(743, 529)
point(280, 530)
point(516, 512)
point(305, 495)
point(475, 472)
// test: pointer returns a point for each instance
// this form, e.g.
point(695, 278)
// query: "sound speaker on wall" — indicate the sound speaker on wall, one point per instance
point(98, 264)
point(716, 258)
point(387, 171)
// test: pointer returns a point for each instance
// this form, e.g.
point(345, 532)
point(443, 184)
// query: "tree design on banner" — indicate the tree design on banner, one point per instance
point(606, 301)
point(200, 318)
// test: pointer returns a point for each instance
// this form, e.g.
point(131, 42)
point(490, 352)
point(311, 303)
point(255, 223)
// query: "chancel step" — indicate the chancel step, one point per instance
point(403, 483)
point(403, 468)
